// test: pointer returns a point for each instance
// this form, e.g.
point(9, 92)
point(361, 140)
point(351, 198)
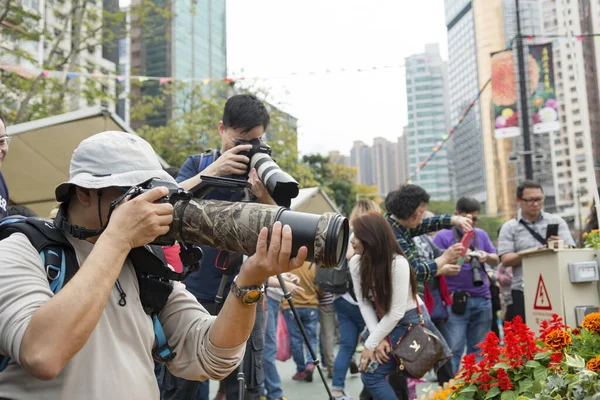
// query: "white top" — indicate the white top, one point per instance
point(402, 300)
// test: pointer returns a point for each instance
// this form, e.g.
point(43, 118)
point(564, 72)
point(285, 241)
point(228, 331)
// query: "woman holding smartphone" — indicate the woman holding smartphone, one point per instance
point(386, 290)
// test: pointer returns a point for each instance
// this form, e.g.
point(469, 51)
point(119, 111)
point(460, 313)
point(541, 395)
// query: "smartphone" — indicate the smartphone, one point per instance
point(552, 230)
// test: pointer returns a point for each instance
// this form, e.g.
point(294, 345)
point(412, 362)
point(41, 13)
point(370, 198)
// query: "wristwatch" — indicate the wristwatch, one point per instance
point(249, 294)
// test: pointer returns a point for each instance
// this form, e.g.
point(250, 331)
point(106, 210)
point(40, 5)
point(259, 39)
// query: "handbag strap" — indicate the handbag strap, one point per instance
point(380, 314)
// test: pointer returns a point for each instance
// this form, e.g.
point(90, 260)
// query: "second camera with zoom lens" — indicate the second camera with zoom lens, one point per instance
point(281, 186)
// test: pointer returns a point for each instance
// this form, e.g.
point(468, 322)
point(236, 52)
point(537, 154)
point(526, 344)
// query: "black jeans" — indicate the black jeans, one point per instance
point(517, 307)
point(174, 388)
point(444, 373)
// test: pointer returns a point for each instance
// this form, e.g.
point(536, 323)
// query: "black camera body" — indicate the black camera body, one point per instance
point(258, 146)
point(281, 186)
point(476, 269)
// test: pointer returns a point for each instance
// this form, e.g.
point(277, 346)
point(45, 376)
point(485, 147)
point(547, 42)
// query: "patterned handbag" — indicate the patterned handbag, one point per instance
point(418, 350)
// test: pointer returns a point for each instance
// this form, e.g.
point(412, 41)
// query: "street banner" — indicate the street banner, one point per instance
point(544, 107)
point(504, 95)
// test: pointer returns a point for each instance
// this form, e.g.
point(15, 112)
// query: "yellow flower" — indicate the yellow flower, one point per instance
point(558, 340)
point(594, 364)
point(591, 322)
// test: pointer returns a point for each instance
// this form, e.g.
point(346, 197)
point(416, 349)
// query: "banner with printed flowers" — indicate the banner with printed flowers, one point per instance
point(562, 363)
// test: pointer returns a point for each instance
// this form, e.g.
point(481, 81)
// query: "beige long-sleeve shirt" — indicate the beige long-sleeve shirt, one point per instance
point(116, 362)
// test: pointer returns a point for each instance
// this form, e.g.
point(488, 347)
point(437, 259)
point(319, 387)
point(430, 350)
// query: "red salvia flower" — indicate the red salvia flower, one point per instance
point(555, 324)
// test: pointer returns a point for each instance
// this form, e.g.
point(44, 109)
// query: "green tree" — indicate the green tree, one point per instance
point(27, 92)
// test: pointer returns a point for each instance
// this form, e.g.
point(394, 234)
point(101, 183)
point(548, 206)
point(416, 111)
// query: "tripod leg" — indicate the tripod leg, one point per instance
point(241, 378)
point(288, 296)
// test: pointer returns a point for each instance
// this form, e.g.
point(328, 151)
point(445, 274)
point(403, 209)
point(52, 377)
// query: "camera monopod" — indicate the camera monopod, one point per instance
point(288, 296)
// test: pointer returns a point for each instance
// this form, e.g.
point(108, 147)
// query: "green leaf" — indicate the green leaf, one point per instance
point(502, 365)
point(575, 361)
point(525, 385)
point(540, 373)
point(537, 387)
point(532, 364)
point(508, 395)
point(469, 389)
point(542, 356)
point(492, 393)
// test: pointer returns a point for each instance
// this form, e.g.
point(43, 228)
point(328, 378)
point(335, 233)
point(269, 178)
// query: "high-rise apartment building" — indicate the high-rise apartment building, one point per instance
point(426, 92)
point(475, 31)
point(530, 17)
point(191, 44)
point(337, 158)
point(378, 165)
point(58, 41)
point(403, 157)
point(576, 83)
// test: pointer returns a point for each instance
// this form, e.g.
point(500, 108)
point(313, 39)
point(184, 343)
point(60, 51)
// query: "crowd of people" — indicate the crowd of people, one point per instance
point(93, 338)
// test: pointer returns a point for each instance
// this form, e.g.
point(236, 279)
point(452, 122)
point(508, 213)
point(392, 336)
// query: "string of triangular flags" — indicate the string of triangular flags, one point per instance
point(446, 137)
point(32, 72)
point(579, 37)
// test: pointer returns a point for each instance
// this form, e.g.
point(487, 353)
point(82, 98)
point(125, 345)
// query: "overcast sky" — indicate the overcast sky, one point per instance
point(275, 38)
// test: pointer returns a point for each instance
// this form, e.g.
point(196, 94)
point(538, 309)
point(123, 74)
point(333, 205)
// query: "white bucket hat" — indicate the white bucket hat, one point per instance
point(112, 158)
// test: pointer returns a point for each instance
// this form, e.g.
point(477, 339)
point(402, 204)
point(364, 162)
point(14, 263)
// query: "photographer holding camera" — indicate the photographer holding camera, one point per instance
point(470, 315)
point(244, 118)
point(93, 339)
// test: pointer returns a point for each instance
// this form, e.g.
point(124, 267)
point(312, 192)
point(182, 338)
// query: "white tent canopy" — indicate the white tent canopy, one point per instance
point(40, 153)
point(314, 201)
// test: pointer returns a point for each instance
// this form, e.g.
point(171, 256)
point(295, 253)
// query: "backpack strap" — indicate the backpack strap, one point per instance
point(207, 158)
point(57, 254)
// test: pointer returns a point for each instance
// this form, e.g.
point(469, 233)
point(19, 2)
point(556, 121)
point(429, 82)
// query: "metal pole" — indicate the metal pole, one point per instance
point(288, 296)
point(524, 103)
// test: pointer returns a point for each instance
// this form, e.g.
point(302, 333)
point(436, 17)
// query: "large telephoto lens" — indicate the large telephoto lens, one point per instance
point(234, 227)
point(281, 186)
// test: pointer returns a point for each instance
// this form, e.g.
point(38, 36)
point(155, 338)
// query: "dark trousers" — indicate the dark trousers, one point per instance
point(517, 307)
point(444, 373)
point(175, 388)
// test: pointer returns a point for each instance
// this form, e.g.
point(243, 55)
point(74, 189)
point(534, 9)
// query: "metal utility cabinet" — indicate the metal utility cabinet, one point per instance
point(560, 281)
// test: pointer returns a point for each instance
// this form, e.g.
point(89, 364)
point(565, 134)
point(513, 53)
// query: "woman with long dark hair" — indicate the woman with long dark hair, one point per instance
point(386, 290)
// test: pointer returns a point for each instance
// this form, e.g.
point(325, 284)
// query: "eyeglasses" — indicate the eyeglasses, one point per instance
point(4, 141)
point(534, 200)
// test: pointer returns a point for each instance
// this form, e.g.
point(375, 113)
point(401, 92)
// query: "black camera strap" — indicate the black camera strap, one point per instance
point(536, 235)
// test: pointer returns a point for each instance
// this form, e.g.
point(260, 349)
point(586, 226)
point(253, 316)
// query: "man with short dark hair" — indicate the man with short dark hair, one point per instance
point(527, 231)
point(245, 118)
point(470, 316)
point(405, 208)
point(4, 141)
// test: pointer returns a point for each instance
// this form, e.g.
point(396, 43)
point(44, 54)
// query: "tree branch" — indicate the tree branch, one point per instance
point(5, 11)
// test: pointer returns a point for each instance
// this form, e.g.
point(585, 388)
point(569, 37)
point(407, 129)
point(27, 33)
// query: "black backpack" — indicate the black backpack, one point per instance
point(335, 280)
point(60, 263)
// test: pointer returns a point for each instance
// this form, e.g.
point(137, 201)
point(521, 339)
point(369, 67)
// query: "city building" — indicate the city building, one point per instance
point(33, 55)
point(428, 121)
point(403, 157)
point(483, 170)
point(543, 168)
point(575, 146)
point(189, 44)
point(378, 165)
point(360, 158)
point(340, 159)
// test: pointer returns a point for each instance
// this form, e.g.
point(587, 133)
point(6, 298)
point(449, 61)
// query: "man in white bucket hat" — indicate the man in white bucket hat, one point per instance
point(93, 339)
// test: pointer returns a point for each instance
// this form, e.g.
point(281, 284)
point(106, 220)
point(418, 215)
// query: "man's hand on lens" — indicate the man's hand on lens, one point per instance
point(465, 224)
point(259, 190)
point(273, 260)
point(229, 163)
point(140, 220)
